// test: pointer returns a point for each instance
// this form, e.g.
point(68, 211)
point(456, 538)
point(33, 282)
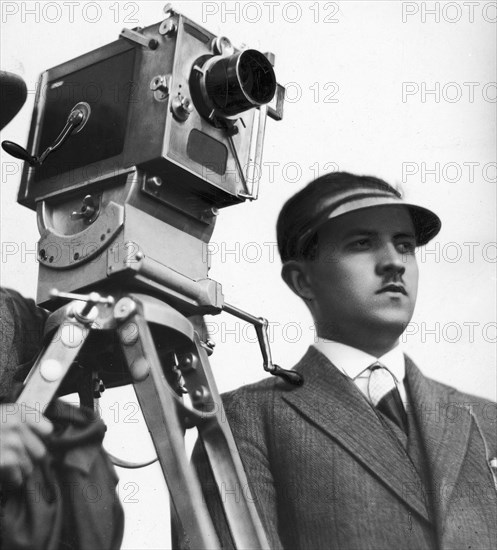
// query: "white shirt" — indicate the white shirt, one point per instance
point(353, 363)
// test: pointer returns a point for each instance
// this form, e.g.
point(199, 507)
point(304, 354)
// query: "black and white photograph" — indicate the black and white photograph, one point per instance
point(248, 275)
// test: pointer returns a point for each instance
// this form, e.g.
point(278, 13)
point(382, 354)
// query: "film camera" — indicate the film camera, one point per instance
point(157, 131)
point(133, 149)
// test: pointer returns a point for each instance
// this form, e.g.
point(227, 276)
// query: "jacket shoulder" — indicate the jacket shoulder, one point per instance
point(254, 396)
point(483, 410)
point(267, 391)
point(254, 408)
point(462, 398)
point(451, 395)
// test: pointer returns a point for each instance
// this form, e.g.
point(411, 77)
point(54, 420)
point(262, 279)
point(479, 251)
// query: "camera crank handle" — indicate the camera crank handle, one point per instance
point(293, 377)
point(261, 329)
point(18, 152)
point(76, 120)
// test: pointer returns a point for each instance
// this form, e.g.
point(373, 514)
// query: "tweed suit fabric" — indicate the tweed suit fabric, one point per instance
point(327, 471)
point(21, 331)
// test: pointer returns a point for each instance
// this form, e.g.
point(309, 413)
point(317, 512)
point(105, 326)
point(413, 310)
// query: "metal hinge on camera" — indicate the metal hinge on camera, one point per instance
point(275, 106)
point(136, 36)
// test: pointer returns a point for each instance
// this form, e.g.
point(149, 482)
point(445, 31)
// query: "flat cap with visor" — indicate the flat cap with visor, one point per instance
point(311, 210)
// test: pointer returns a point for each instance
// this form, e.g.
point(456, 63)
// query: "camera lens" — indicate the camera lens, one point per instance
point(233, 84)
point(256, 77)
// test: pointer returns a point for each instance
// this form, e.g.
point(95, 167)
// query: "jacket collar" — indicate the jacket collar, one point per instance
point(352, 361)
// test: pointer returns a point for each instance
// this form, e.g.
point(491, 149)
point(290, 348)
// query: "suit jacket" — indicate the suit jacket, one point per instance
point(21, 332)
point(328, 471)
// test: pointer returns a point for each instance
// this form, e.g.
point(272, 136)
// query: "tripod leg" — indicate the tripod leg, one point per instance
point(157, 401)
point(54, 363)
point(241, 514)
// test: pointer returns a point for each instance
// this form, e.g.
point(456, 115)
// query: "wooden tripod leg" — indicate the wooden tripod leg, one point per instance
point(241, 514)
point(158, 404)
point(54, 363)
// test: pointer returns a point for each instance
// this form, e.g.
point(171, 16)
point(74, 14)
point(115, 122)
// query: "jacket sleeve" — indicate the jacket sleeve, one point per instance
point(22, 324)
point(69, 501)
point(245, 415)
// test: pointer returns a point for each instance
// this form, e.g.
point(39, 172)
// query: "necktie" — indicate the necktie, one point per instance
point(385, 396)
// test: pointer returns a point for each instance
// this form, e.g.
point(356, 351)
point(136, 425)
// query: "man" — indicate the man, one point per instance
point(21, 331)
point(368, 453)
point(48, 463)
point(21, 434)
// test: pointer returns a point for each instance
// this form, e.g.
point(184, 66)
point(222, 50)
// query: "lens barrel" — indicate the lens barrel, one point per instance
point(233, 84)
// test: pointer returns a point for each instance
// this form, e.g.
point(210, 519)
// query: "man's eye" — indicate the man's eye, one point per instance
point(360, 244)
point(406, 247)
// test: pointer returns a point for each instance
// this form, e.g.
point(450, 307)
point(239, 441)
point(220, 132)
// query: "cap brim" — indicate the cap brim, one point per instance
point(426, 223)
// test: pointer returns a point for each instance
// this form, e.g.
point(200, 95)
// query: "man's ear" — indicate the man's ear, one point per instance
point(296, 276)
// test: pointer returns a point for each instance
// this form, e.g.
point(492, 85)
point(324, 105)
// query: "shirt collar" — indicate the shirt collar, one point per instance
point(352, 361)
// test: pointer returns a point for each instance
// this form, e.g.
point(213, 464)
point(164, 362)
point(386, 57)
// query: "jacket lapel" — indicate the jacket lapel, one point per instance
point(444, 428)
point(334, 404)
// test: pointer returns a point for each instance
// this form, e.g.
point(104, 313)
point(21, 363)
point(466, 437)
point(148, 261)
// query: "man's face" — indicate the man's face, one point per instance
point(364, 278)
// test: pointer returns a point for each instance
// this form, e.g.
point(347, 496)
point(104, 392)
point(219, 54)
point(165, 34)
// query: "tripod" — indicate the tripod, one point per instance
point(156, 298)
point(139, 321)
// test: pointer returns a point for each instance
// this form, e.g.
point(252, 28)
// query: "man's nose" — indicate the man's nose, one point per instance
point(390, 260)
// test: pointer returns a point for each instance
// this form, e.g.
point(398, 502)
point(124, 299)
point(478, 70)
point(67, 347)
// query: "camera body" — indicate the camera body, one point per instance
point(172, 127)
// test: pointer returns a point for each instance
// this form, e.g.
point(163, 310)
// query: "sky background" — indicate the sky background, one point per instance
point(405, 91)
